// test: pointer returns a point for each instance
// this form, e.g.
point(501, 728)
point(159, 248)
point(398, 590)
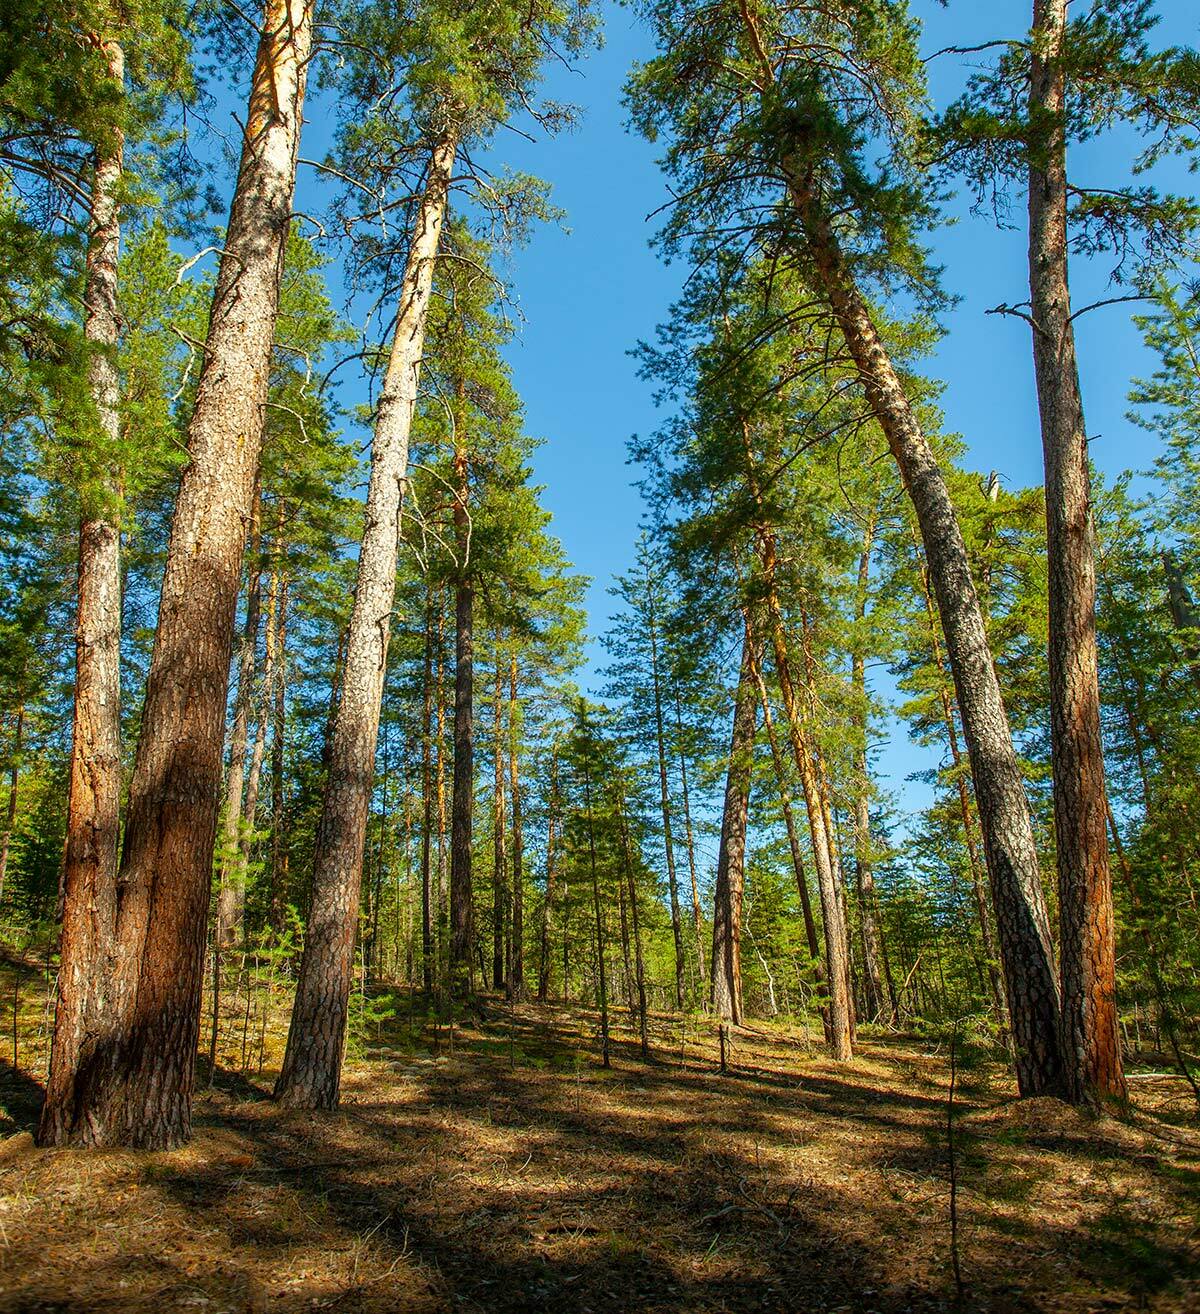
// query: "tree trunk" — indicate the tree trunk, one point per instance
point(1091, 1048)
point(94, 792)
point(999, 789)
point(499, 846)
point(462, 806)
point(664, 796)
point(131, 1083)
point(731, 856)
point(517, 974)
point(312, 1063)
point(231, 896)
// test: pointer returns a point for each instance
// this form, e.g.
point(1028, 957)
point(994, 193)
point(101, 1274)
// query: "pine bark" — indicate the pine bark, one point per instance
point(94, 790)
point(726, 996)
point(1090, 1040)
point(132, 1081)
point(312, 1064)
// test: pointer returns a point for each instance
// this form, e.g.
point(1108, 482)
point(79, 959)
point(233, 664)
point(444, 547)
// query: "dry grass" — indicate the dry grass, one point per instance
point(510, 1173)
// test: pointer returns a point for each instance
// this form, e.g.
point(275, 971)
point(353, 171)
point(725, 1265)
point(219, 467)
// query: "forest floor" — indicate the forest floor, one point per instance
point(502, 1169)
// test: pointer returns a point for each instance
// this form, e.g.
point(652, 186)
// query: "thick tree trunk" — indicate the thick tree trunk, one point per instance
point(726, 994)
point(231, 886)
point(462, 804)
point(516, 978)
point(94, 792)
point(499, 834)
point(999, 789)
point(1091, 1048)
point(132, 1083)
point(312, 1064)
point(664, 795)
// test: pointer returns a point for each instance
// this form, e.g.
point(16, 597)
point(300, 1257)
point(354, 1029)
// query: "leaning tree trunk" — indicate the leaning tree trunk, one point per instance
point(1091, 1048)
point(94, 792)
point(999, 789)
point(312, 1063)
point(1021, 916)
point(462, 801)
point(133, 1079)
point(731, 856)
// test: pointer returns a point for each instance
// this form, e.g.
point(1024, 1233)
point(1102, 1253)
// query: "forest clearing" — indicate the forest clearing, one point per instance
point(503, 1169)
point(599, 655)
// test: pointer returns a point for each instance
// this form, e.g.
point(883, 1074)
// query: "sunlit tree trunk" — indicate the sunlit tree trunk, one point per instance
point(94, 791)
point(551, 873)
point(312, 1063)
point(1091, 1045)
point(132, 1081)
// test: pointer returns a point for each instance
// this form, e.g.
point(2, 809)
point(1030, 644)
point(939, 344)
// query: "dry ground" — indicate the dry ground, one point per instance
point(510, 1173)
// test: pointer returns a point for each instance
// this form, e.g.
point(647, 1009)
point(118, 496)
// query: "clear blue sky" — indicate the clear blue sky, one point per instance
point(588, 294)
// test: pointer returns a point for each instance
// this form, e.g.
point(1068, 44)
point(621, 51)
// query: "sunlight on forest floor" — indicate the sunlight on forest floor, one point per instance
point(511, 1173)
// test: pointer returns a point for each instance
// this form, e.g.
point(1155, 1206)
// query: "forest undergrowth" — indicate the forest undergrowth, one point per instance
point(495, 1165)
